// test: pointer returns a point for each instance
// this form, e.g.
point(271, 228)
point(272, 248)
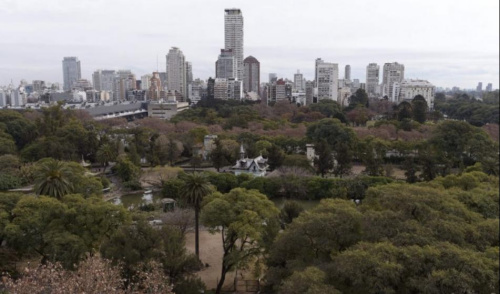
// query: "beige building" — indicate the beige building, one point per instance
point(408, 89)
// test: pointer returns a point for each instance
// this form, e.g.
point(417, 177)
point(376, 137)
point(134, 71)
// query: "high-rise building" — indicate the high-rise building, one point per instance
point(146, 81)
point(189, 72)
point(225, 66)
point(479, 87)
point(103, 80)
point(347, 75)
point(327, 75)
point(3, 98)
point(233, 37)
point(163, 79)
point(489, 87)
point(393, 73)
point(176, 71)
point(251, 80)
point(372, 79)
point(299, 82)
point(38, 86)
point(71, 72)
point(155, 91)
point(123, 82)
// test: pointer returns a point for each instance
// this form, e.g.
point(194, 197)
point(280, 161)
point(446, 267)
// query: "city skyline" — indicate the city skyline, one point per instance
point(435, 41)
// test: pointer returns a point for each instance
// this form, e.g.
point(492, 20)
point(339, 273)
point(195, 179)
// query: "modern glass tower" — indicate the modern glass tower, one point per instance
point(71, 72)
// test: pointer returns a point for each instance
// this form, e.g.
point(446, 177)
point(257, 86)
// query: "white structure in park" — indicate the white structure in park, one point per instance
point(408, 89)
point(327, 76)
point(256, 166)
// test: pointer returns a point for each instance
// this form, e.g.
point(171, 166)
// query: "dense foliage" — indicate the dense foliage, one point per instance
point(404, 238)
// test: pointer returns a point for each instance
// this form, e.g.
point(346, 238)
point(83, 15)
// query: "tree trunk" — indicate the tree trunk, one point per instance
point(196, 232)
point(221, 281)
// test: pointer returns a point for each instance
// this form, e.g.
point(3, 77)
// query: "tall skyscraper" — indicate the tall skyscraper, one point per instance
point(71, 72)
point(176, 71)
point(233, 37)
point(298, 81)
point(347, 75)
point(225, 66)
point(327, 75)
point(393, 73)
point(372, 79)
point(489, 87)
point(251, 80)
point(479, 87)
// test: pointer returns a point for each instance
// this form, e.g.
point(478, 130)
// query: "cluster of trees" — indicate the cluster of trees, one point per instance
point(441, 237)
point(475, 111)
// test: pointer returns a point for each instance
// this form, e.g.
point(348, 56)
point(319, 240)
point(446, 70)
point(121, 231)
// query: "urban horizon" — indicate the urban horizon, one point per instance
point(420, 63)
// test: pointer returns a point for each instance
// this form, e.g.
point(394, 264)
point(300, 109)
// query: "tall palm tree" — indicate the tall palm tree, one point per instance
point(105, 154)
point(196, 186)
point(52, 178)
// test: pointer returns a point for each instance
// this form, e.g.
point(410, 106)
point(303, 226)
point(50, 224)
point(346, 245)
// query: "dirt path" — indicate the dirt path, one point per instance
point(211, 253)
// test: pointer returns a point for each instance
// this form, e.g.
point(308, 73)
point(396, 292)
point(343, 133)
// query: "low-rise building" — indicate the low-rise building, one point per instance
point(255, 166)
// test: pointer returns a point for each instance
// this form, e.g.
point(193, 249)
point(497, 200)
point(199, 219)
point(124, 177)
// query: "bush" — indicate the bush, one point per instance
point(133, 185)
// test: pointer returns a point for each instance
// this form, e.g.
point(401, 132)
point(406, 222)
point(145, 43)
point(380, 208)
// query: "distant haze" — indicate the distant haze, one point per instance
point(448, 42)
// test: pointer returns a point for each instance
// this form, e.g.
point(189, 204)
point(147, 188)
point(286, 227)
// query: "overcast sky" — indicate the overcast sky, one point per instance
point(448, 42)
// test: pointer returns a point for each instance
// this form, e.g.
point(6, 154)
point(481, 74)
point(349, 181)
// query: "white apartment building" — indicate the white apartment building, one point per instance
point(233, 37)
point(372, 79)
point(408, 89)
point(327, 75)
point(393, 73)
point(71, 72)
point(299, 82)
point(176, 71)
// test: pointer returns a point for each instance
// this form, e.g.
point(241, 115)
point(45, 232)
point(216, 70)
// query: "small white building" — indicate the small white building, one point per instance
point(256, 166)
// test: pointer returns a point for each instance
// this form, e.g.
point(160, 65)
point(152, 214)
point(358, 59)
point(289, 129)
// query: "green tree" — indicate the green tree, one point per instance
point(62, 230)
point(52, 178)
point(324, 160)
point(105, 154)
point(341, 139)
point(420, 108)
point(242, 217)
point(196, 187)
point(290, 211)
point(275, 156)
point(328, 108)
point(172, 152)
point(219, 155)
point(405, 111)
point(126, 170)
point(372, 152)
